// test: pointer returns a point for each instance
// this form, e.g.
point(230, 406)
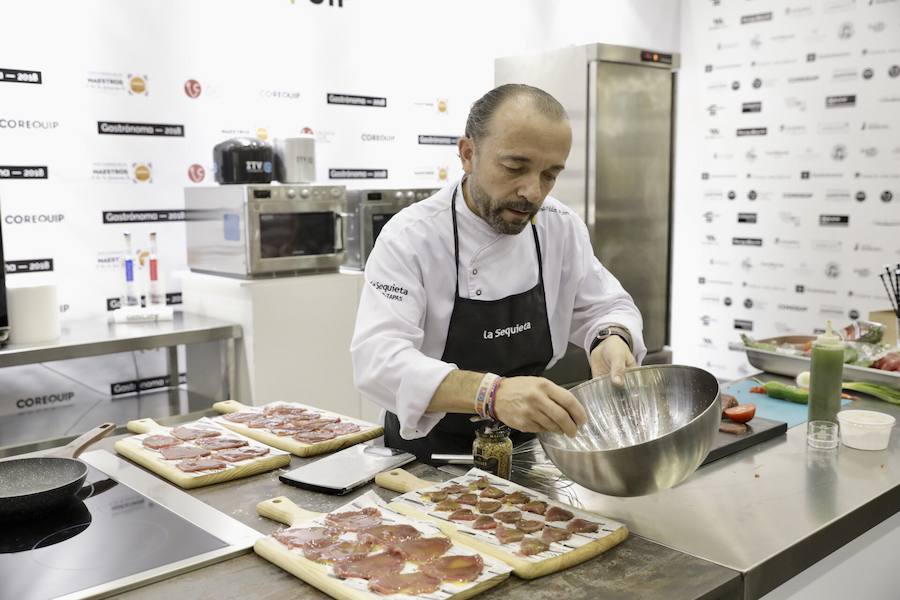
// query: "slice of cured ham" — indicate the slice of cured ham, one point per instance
point(339, 550)
point(447, 505)
point(311, 425)
point(411, 584)
point(529, 526)
point(367, 567)
point(537, 507)
point(470, 499)
point(310, 537)
point(422, 550)
point(342, 428)
point(284, 410)
point(314, 437)
point(456, 488)
point(201, 464)
point(280, 432)
point(516, 498)
point(155, 442)
point(455, 568)
point(434, 495)
point(181, 452)
point(492, 492)
point(480, 483)
point(484, 522)
point(554, 534)
point(531, 546)
point(508, 535)
point(243, 417)
point(463, 514)
point(582, 526)
point(267, 423)
point(239, 454)
point(555, 513)
point(354, 520)
point(220, 443)
point(191, 433)
point(488, 506)
point(387, 534)
point(508, 516)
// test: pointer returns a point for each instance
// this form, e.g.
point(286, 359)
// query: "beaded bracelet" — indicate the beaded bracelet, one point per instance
point(484, 389)
point(492, 397)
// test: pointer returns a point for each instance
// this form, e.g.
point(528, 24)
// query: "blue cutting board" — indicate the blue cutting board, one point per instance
point(770, 408)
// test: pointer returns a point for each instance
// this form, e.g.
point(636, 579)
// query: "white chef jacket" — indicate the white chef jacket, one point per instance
point(406, 303)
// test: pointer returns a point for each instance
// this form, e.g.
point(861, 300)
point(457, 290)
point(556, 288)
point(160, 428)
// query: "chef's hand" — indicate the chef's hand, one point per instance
point(612, 356)
point(536, 404)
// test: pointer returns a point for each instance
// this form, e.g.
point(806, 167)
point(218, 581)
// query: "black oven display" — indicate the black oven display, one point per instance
point(296, 234)
point(378, 223)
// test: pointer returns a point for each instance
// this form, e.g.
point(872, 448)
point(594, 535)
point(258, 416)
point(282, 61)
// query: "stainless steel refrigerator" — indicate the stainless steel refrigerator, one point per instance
point(618, 176)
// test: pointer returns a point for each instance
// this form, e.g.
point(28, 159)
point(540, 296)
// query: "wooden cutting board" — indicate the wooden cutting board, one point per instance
point(281, 509)
point(367, 431)
point(567, 554)
point(133, 449)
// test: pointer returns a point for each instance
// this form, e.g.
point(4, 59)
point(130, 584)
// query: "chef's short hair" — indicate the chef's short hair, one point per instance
point(484, 108)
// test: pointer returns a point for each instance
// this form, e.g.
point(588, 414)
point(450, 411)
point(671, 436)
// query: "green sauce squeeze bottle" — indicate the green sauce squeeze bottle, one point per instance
point(825, 372)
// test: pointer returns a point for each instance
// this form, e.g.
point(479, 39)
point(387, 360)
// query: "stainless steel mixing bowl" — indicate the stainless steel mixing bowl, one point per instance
point(643, 438)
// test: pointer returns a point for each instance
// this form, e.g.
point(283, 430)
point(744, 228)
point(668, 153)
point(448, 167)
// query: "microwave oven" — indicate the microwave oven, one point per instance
point(368, 212)
point(265, 230)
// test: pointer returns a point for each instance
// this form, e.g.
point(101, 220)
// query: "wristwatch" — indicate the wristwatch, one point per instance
point(609, 330)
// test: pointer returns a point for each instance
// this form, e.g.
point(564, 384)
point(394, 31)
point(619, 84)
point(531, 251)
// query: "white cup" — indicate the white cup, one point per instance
point(33, 313)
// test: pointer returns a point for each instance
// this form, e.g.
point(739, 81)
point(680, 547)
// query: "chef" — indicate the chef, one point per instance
point(471, 294)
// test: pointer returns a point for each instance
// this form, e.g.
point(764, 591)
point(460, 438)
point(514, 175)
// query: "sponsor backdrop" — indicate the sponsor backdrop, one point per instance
point(788, 170)
point(110, 109)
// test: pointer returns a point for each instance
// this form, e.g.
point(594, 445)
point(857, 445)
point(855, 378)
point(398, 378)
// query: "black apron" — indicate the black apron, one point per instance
point(509, 337)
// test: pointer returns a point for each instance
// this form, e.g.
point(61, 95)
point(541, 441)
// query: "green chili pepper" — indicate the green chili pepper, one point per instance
point(782, 391)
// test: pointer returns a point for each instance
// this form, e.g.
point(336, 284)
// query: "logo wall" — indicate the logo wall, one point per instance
point(145, 128)
point(812, 129)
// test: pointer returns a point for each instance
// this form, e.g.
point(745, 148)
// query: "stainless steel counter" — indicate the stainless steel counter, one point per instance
point(636, 568)
point(95, 337)
point(771, 510)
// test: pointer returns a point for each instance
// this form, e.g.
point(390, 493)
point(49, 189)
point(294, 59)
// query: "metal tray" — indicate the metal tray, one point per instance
point(785, 364)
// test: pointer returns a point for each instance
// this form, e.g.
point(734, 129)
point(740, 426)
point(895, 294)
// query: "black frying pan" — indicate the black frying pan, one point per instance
point(29, 485)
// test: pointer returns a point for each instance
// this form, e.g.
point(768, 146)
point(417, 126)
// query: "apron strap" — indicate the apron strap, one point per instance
point(537, 243)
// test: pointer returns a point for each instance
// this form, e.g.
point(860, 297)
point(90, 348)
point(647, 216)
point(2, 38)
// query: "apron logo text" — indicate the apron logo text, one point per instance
point(501, 332)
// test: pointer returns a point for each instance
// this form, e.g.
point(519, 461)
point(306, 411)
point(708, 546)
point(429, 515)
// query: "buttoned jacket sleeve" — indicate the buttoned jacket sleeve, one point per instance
point(600, 299)
point(389, 368)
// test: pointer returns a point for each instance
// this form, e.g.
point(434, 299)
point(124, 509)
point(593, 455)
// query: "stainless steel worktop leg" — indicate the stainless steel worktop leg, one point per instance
point(230, 369)
point(172, 364)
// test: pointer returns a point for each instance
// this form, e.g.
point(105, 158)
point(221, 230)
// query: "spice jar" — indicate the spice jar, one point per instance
point(492, 449)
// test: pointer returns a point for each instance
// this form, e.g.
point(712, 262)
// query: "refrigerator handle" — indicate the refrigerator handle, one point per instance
point(590, 181)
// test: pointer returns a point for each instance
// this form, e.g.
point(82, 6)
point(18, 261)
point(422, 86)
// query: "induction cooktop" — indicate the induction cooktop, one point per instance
point(124, 529)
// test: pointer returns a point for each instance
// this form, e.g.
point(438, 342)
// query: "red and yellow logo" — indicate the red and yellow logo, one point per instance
point(192, 88)
point(196, 173)
point(307, 130)
point(137, 85)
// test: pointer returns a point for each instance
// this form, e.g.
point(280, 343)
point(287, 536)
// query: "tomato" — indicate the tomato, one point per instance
point(741, 413)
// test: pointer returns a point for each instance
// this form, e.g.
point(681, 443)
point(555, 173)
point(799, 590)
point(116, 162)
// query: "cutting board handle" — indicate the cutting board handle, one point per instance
point(81, 443)
point(401, 480)
point(229, 406)
point(283, 510)
point(142, 425)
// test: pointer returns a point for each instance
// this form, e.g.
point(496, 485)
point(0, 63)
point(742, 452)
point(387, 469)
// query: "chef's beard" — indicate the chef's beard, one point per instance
point(491, 210)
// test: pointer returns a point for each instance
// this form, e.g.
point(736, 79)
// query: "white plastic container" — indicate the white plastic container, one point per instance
point(865, 429)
